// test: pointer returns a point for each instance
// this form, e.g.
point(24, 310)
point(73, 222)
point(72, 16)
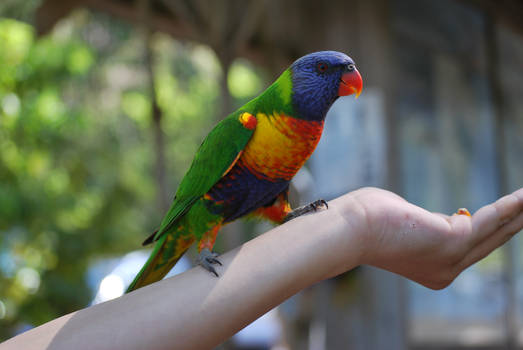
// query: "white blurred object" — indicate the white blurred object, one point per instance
point(115, 281)
point(111, 287)
point(29, 278)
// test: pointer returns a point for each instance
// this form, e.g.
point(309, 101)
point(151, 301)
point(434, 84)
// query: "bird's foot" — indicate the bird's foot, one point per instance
point(311, 207)
point(207, 258)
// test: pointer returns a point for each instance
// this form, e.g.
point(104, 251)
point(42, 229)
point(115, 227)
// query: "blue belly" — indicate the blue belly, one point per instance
point(240, 192)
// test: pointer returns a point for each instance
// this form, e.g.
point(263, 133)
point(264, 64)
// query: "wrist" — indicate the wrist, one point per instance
point(348, 224)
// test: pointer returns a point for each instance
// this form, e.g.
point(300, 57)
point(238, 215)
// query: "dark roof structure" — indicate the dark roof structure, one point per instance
point(268, 32)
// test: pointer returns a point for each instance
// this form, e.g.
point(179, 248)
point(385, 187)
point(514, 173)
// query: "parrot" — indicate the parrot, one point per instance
point(245, 164)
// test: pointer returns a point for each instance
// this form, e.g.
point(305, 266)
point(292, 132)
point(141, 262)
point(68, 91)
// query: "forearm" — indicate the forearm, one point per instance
point(196, 310)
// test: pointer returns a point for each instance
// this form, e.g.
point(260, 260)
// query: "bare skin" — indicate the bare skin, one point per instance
point(195, 310)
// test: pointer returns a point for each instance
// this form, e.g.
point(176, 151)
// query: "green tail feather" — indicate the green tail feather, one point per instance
point(155, 269)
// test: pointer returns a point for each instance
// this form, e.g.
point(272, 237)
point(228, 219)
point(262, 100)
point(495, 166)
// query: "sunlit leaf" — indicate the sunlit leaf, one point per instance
point(79, 60)
point(49, 106)
point(138, 107)
point(15, 41)
point(242, 80)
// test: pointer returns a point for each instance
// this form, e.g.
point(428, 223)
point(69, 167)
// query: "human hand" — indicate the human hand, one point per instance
point(429, 248)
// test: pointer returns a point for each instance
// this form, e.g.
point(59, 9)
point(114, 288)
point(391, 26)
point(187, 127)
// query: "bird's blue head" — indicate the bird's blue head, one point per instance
point(318, 79)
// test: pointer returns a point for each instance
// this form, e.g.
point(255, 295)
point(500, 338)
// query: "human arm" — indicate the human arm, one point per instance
point(369, 226)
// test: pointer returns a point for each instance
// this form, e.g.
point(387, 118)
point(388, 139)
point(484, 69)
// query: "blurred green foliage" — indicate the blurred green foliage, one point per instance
point(76, 150)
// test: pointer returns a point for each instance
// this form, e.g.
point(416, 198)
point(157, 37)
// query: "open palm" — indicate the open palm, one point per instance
point(431, 248)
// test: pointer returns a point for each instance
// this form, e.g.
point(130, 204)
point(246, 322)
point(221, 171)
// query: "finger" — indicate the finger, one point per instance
point(490, 217)
point(502, 235)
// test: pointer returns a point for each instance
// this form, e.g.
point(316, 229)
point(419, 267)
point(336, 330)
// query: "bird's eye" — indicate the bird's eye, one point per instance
point(351, 67)
point(322, 67)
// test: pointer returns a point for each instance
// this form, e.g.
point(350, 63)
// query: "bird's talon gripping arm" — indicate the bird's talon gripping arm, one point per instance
point(320, 203)
point(311, 207)
point(206, 259)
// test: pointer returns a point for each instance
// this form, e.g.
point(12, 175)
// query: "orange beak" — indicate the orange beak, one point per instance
point(350, 83)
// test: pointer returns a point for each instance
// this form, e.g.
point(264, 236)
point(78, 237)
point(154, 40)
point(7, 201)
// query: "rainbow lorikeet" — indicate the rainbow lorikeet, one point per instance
point(245, 164)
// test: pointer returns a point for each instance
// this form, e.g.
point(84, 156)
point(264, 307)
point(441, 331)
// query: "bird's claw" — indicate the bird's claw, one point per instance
point(311, 207)
point(319, 203)
point(207, 258)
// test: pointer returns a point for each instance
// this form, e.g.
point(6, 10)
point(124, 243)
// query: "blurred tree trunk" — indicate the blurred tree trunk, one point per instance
point(159, 142)
point(162, 192)
point(225, 94)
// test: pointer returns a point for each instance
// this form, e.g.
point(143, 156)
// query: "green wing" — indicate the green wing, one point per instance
point(216, 155)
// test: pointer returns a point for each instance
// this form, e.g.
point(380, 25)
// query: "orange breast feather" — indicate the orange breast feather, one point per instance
point(280, 146)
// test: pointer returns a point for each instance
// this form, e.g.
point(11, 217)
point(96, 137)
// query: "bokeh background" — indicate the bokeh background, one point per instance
point(104, 102)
